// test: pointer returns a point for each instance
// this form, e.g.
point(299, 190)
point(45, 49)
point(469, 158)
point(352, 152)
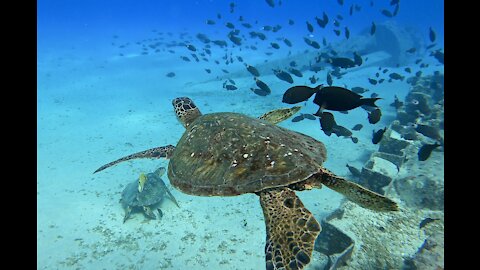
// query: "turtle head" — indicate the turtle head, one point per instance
point(185, 110)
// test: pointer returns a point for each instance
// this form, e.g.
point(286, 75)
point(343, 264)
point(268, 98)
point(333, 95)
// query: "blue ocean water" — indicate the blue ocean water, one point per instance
point(103, 93)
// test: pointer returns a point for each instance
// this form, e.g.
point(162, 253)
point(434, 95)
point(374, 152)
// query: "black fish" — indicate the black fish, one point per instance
point(186, 59)
point(291, 22)
point(274, 45)
point(230, 87)
point(221, 43)
point(432, 35)
point(231, 81)
point(347, 33)
point(262, 85)
point(309, 27)
point(374, 116)
point(210, 22)
point(191, 48)
point(354, 139)
point(357, 59)
point(240, 59)
point(428, 131)
point(373, 28)
point(337, 32)
point(395, 11)
point(297, 94)
point(293, 64)
point(341, 131)
point(208, 70)
point(425, 221)
point(340, 99)
point(309, 116)
point(408, 70)
point(322, 22)
point(372, 81)
point(341, 62)
point(236, 40)
point(397, 104)
point(287, 42)
point(396, 76)
point(385, 70)
point(170, 74)
point(340, 2)
point(387, 13)
point(246, 25)
point(260, 92)
point(329, 79)
point(357, 127)
point(327, 122)
point(377, 136)
point(430, 46)
point(411, 50)
point(253, 70)
point(438, 55)
point(313, 79)
point(359, 90)
point(271, 3)
point(282, 75)
point(336, 23)
point(426, 150)
point(295, 72)
point(354, 171)
point(298, 118)
point(225, 71)
point(232, 6)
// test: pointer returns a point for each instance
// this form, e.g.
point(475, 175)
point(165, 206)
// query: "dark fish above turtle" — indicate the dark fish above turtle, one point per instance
point(340, 99)
point(297, 94)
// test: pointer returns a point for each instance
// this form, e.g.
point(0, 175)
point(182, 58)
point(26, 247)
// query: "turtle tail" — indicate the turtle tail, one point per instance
point(157, 152)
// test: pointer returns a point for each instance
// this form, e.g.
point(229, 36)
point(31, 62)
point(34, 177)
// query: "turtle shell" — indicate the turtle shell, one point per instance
point(153, 192)
point(228, 154)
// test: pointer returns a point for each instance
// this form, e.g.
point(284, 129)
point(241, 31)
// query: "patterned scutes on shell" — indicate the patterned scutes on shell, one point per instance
point(229, 154)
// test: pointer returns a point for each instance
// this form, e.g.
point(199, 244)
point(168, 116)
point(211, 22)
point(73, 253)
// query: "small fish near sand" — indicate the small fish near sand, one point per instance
point(300, 93)
point(426, 150)
point(340, 99)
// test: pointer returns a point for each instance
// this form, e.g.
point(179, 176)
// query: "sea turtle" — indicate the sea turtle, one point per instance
point(228, 154)
point(146, 194)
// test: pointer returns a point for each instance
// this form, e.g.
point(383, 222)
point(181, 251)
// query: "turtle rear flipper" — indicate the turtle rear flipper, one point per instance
point(291, 230)
point(356, 193)
point(157, 152)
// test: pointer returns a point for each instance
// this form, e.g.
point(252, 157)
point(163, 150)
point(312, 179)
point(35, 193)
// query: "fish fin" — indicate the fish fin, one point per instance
point(369, 101)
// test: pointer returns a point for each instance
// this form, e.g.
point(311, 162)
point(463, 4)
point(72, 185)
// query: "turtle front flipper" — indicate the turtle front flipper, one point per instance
point(291, 230)
point(157, 152)
point(356, 193)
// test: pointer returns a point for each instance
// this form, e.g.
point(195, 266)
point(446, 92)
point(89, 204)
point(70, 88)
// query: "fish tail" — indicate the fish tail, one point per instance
point(369, 101)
